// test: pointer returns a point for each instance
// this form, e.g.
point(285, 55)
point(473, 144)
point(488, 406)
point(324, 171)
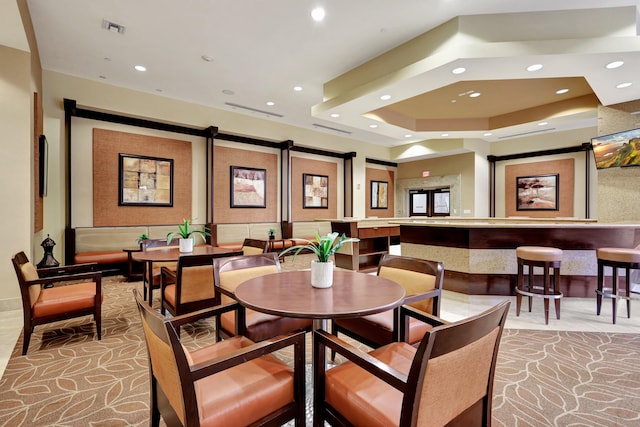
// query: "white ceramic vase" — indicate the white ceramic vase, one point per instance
point(321, 274)
point(186, 245)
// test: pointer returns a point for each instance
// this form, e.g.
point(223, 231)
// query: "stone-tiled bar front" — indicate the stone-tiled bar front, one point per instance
point(479, 254)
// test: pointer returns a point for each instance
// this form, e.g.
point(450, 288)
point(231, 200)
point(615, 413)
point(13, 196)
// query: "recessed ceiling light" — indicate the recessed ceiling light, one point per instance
point(373, 126)
point(534, 67)
point(623, 85)
point(318, 14)
point(207, 58)
point(228, 92)
point(458, 70)
point(487, 134)
point(385, 97)
point(335, 115)
point(543, 123)
point(140, 68)
point(445, 134)
point(297, 88)
point(561, 91)
point(271, 103)
point(408, 135)
point(474, 95)
point(614, 64)
point(454, 100)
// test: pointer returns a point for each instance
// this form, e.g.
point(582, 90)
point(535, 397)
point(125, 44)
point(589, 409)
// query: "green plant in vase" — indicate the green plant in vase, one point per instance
point(186, 235)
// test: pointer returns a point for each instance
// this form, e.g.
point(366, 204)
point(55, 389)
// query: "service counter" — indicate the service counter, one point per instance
point(479, 253)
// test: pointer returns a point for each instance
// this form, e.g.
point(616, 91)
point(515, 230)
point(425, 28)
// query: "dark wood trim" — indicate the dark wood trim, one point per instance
point(248, 140)
point(566, 238)
point(380, 162)
point(564, 150)
point(320, 152)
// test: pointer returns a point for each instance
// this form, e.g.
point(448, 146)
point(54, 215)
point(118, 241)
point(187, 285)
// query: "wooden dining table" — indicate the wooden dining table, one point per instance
point(290, 294)
point(173, 254)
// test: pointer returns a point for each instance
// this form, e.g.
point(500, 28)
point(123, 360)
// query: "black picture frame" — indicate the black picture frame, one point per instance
point(315, 191)
point(248, 187)
point(379, 195)
point(537, 192)
point(145, 181)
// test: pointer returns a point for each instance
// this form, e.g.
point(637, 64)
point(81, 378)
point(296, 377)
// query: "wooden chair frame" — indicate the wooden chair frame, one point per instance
point(169, 277)
point(166, 330)
point(50, 277)
point(442, 339)
point(256, 243)
point(151, 244)
point(433, 268)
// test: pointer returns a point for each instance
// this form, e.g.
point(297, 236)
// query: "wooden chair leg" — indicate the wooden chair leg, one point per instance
point(600, 287)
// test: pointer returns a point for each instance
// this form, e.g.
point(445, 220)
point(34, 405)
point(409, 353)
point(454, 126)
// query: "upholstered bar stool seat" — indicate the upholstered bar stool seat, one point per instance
point(547, 258)
point(616, 258)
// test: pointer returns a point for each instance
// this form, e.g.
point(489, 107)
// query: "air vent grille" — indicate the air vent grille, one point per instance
point(254, 110)
point(515, 135)
point(318, 125)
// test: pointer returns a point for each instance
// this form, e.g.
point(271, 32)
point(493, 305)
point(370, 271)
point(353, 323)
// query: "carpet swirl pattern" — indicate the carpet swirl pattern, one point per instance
point(544, 378)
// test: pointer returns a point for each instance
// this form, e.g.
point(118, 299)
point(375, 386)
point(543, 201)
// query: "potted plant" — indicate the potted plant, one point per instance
point(324, 247)
point(272, 233)
point(186, 235)
point(141, 238)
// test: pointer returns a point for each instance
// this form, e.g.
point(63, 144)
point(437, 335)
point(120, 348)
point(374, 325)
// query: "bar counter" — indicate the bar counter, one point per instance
point(479, 253)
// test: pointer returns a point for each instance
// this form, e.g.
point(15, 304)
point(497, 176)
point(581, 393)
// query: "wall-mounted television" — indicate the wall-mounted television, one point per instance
point(617, 150)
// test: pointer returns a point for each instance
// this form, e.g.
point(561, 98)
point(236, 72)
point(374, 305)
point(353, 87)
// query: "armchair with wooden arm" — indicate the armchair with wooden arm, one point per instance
point(46, 298)
point(447, 380)
point(234, 382)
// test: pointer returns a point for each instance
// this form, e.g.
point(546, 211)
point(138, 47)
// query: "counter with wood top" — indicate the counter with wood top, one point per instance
point(479, 253)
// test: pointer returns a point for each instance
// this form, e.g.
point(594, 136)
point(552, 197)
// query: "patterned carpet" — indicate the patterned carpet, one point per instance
point(543, 378)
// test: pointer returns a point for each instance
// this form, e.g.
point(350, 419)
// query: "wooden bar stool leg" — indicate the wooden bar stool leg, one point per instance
point(614, 292)
point(519, 285)
point(628, 291)
point(547, 279)
point(600, 287)
point(530, 284)
point(556, 284)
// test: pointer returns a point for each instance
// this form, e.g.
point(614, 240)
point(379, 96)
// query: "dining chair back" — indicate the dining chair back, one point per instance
point(254, 246)
point(447, 380)
point(192, 388)
point(44, 302)
point(422, 281)
point(228, 274)
point(156, 274)
point(190, 287)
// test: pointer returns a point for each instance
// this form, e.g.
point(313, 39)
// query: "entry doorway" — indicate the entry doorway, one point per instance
point(429, 202)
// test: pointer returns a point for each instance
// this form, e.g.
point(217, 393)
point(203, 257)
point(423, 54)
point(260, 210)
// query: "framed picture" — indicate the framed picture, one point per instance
point(145, 181)
point(248, 186)
point(315, 191)
point(379, 194)
point(537, 192)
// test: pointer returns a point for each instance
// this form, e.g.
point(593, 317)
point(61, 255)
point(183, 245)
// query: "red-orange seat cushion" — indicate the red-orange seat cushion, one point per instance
point(61, 299)
point(242, 394)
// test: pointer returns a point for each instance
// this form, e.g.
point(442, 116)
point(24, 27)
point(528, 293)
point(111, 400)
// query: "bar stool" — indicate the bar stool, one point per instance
point(616, 258)
point(547, 258)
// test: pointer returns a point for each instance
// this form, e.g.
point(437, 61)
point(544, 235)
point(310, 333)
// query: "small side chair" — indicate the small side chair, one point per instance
point(44, 302)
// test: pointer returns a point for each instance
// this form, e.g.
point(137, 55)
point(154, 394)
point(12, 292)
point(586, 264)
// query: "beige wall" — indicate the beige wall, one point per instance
point(460, 164)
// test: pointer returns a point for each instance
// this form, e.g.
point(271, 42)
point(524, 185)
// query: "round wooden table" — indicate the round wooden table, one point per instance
point(290, 294)
point(173, 254)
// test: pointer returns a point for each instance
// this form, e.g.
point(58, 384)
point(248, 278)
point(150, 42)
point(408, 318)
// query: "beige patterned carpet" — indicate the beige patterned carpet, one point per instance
point(68, 378)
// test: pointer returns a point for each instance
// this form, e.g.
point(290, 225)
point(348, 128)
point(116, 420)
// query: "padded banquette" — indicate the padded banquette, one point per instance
point(104, 245)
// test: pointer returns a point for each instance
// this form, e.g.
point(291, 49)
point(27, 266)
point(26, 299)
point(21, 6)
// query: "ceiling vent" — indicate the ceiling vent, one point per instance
point(254, 110)
point(516, 135)
point(317, 125)
point(112, 26)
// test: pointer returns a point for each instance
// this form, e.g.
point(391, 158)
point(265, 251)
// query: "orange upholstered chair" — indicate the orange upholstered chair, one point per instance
point(44, 302)
point(422, 281)
point(254, 246)
point(234, 382)
point(228, 274)
point(190, 287)
point(155, 245)
point(447, 380)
